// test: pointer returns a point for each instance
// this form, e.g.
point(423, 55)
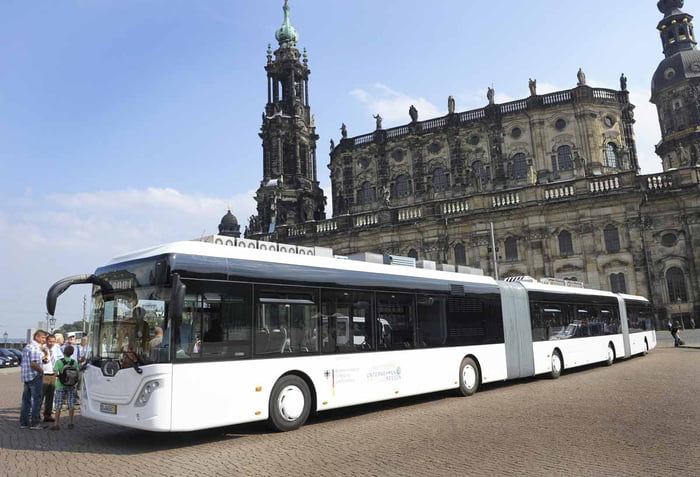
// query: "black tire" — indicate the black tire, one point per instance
point(469, 377)
point(610, 358)
point(290, 403)
point(557, 365)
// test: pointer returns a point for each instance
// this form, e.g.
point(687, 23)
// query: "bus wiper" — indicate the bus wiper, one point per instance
point(135, 361)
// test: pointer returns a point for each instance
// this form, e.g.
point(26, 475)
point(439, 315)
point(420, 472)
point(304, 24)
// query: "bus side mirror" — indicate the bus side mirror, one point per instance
point(64, 284)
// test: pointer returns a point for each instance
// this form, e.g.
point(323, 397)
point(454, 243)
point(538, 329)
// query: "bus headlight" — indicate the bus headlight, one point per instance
point(148, 389)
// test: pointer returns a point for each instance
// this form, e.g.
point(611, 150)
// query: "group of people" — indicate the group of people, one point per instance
point(43, 360)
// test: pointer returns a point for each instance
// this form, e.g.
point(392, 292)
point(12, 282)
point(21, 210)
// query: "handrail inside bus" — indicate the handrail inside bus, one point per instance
point(64, 284)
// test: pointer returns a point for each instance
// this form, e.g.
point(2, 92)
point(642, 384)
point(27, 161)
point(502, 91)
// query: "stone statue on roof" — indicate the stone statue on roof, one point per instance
point(413, 113)
point(532, 84)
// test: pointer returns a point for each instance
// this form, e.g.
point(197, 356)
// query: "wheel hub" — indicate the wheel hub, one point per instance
point(291, 403)
point(469, 377)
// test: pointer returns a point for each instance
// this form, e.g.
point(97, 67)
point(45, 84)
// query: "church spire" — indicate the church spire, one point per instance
point(286, 35)
point(676, 28)
point(289, 192)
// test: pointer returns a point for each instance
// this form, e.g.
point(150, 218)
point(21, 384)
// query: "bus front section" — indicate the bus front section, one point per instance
point(127, 374)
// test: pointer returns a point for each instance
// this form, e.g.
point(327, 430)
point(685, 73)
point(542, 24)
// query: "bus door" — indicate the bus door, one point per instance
point(517, 330)
point(624, 322)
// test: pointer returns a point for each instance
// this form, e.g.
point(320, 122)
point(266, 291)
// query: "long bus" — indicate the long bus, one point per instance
point(193, 335)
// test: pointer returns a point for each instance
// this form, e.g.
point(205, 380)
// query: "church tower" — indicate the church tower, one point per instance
point(675, 88)
point(289, 192)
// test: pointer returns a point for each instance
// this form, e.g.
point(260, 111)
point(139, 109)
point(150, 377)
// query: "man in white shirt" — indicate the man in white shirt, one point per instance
point(51, 351)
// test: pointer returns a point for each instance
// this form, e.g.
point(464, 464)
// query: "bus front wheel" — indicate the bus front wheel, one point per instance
point(290, 403)
point(557, 365)
point(469, 377)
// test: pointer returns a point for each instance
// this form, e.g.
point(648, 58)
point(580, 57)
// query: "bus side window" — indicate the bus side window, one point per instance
point(346, 323)
point(431, 323)
point(395, 322)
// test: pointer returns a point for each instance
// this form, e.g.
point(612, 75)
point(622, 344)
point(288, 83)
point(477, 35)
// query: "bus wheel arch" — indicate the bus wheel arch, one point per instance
point(557, 363)
point(469, 375)
point(292, 399)
point(610, 356)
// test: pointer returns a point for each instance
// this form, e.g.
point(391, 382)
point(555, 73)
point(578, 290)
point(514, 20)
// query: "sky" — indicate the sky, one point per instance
point(129, 123)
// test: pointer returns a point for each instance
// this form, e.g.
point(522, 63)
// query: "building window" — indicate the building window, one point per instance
point(669, 239)
point(460, 255)
point(675, 281)
point(402, 186)
point(518, 170)
point(481, 172)
point(612, 239)
point(397, 155)
point(511, 248)
point(566, 245)
point(366, 193)
point(564, 161)
point(611, 155)
point(617, 283)
point(440, 182)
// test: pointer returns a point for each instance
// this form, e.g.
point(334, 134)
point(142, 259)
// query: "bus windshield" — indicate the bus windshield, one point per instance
point(130, 325)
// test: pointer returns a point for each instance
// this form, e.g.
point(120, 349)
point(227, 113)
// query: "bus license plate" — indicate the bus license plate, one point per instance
point(108, 408)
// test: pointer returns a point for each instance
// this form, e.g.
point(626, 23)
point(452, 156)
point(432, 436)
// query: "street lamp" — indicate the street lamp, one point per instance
point(4, 335)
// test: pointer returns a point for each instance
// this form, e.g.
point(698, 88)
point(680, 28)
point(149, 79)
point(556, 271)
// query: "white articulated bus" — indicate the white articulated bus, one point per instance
point(194, 335)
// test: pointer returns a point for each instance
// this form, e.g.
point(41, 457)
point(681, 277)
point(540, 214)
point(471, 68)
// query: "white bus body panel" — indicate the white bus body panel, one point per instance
point(227, 393)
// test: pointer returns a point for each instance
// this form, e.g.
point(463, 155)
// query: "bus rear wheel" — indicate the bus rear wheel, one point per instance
point(557, 365)
point(610, 358)
point(290, 403)
point(469, 377)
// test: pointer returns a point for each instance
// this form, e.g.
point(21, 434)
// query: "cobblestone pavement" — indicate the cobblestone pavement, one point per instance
point(638, 417)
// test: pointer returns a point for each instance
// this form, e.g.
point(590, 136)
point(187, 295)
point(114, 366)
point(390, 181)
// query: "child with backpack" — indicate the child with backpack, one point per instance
point(67, 370)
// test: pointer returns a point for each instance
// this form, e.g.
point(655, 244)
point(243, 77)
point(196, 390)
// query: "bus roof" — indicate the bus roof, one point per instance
point(205, 249)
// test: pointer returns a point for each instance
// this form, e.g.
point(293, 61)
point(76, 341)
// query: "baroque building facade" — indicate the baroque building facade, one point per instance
point(546, 186)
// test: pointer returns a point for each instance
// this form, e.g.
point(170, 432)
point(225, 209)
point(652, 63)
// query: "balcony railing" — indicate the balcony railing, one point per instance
point(577, 187)
point(512, 107)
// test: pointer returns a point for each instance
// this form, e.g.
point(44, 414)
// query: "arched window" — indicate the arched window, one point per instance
point(511, 248)
point(617, 283)
point(611, 155)
point(413, 254)
point(402, 186)
point(675, 281)
point(566, 246)
point(481, 172)
point(564, 160)
point(460, 255)
point(366, 193)
point(519, 167)
point(440, 183)
point(612, 239)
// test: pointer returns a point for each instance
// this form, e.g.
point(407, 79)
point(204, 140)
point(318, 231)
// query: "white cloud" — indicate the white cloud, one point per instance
point(43, 239)
point(393, 105)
